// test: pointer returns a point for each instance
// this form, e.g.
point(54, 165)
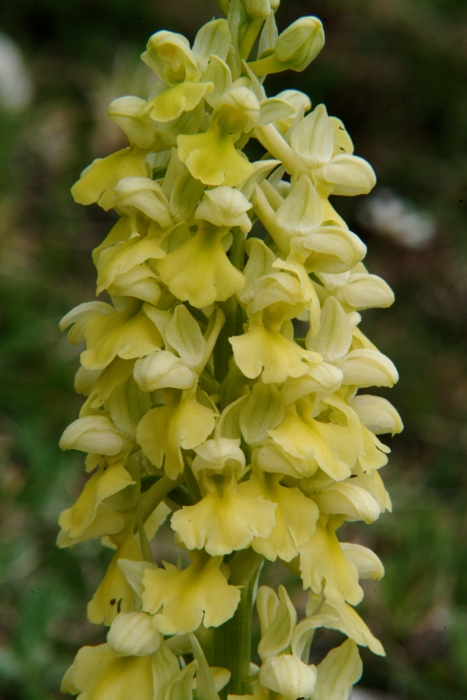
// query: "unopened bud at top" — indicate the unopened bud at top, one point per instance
point(259, 10)
point(294, 49)
point(300, 43)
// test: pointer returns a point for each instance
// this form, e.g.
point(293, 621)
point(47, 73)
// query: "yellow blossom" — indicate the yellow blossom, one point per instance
point(182, 422)
point(182, 600)
point(173, 101)
point(226, 518)
point(295, 48)
point(295, 516)
point(340, 617)
point(169, 55)
point(129, 113)
point(199, 271)
point(278, 618)
point(324, 567)
point(129, 333)
point(98, 181)
point(115, 594)
point(222, 379)
point(338, 672)
point(264, 350)
point(133, 634)
point(334, 447)
point(344, 174)
point(94, 514)
point(98, 673)
point(92, 434)
point(211, 157)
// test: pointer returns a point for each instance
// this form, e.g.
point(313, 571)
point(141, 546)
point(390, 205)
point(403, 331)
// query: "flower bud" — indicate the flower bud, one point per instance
point(366, 367)
point(133, 634)
point(163, 369)
point(238, 110)
point(128, 113)
point(225, 206)
point(218, 453)
point(145, 195)
point(288, 676)
point(258, 10)
point(92, 434)
point(377, 414)
point(300, 43)
point(169, 55)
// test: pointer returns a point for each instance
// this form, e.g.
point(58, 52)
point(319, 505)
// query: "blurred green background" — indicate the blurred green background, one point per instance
point(395, 71)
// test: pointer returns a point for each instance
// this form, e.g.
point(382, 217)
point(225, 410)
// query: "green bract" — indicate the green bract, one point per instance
point(203, 404)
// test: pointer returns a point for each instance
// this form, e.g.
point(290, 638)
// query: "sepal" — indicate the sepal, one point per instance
point(133, 634)
point(338, 672)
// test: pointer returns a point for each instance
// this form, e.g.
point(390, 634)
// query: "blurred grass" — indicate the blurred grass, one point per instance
point(395, 71)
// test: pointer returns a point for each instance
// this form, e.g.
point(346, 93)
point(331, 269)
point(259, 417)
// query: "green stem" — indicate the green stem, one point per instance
point(249, 37)
point(232, 640)
point(156, 494)
point(268, 65)
point(223, 349)
point(237, 258)
point(232, 311)
point(237, 249)
point(192, 485)
point(224, 5)
point(143, 539)
point(231, 388)
point(243, 566)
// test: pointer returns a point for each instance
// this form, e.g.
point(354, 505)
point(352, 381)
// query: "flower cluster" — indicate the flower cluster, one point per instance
point(222, 378)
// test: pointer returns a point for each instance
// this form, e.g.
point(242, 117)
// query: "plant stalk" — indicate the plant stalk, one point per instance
point(156, 494)
point(232, 640)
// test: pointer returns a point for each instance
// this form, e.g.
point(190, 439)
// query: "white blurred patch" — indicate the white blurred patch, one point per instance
point(15, 83)
point(389, 215)
point(362, 694)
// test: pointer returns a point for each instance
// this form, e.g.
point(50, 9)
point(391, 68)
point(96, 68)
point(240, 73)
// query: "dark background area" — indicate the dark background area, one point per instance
point(395, 71)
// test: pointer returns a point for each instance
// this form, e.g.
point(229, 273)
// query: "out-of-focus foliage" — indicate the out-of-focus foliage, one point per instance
point(395, 71)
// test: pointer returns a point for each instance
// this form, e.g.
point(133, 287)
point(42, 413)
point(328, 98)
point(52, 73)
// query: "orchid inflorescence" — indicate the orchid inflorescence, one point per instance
point(222, 378)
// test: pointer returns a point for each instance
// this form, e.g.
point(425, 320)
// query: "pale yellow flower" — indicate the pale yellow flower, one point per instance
point(334, 172)
point(98, 181)
point(324, 568)
point(295, 516)
point(133, 634)
point(183, 600)
point(264, 350)
point(222, 393)
point(94, 514)
point(199, 271)
point(338, 672)
point(129, 333)
point(333, 447)
point(212, 157)
point(226, 519)
point(340, 617)
point(182, 423)
point(115, 593)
